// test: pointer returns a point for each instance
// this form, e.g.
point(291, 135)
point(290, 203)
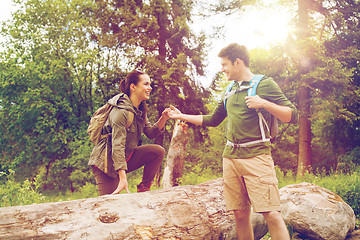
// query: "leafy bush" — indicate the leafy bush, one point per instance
point(349, 162)
point(347, 186)
point(13, 193)
point(68, 174)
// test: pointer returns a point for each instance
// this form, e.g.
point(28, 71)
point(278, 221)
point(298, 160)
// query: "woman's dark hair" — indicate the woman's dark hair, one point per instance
point(234, 51)
point(133, 77)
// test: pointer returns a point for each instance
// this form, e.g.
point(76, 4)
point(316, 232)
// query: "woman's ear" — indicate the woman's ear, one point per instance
point(132, 87)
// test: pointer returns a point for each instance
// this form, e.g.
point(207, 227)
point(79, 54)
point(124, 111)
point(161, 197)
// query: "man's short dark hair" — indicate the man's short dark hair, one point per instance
point(234, 51)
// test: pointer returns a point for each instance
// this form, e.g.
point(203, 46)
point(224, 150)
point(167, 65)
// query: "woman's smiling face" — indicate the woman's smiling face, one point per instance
point(143, 88)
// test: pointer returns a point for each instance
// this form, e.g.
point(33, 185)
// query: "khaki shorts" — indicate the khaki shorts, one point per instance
point(251, 181)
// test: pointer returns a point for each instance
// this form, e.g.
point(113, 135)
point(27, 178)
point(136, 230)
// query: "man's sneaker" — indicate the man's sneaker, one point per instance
point(143, 188)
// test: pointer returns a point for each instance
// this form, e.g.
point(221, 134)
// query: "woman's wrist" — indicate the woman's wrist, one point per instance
point(122, 173)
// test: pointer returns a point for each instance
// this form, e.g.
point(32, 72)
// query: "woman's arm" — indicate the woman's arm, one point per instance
point(162, 120)
point(118, 121)
point(123, 184)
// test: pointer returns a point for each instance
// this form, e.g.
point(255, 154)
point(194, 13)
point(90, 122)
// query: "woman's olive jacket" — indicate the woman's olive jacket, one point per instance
point(123, 139)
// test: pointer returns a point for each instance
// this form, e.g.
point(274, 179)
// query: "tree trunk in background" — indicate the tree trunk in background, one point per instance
point(176, 155)
point(304, 158)
point(158, 140)
point(162, 32)
point(184, 212)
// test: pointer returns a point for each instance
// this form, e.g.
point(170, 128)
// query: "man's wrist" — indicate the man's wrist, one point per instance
point(265, 103)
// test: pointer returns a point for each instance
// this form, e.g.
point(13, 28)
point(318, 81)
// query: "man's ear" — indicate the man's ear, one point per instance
point(238, 62)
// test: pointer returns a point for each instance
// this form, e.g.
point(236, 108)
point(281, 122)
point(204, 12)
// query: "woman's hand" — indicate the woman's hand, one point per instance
point(164, 117)
point(123, 184)
point(165, 114)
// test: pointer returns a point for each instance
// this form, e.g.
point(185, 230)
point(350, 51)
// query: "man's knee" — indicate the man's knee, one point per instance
point(273, 217)
point(241, 215)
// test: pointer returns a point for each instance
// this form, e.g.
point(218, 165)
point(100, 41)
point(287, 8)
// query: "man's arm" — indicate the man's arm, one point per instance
point(176, 114)
point(283, 113)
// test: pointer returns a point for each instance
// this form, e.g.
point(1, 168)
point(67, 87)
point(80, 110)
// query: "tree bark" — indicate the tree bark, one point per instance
point(184, 212)
point(161, 19)
point(304, 158)
point(176, 155)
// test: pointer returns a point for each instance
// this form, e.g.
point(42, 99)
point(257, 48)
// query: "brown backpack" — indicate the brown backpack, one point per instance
point(95, 127)
point(97, 122)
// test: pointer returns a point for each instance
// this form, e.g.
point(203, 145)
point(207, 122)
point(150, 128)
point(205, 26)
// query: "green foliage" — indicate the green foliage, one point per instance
point(70, 173)
point(206, 152)
point(87, 191)
point(63, 59)
point(198, 174)
point(14, 193)
point(45, 84)
point(349, 162)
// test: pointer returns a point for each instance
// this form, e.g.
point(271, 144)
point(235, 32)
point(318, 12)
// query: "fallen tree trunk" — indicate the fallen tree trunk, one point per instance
point(184, 212)
point(176, 155)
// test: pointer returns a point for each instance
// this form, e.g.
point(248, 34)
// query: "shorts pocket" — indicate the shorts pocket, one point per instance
point(274, 194)
point(271, 183)
point(269, 179)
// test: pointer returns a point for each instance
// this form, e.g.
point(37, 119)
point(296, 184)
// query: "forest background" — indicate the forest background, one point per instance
point(62, 59)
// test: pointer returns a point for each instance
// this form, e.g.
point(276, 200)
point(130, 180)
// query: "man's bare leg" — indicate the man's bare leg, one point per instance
point(276, 225)
point(244, 230)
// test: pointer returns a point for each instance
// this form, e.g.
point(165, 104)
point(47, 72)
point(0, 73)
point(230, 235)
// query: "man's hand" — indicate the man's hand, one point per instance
point(283, 113)
point(174, 113)
point(254, 102)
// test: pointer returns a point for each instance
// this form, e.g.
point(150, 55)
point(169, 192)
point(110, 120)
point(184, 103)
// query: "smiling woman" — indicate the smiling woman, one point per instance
point(117, 152)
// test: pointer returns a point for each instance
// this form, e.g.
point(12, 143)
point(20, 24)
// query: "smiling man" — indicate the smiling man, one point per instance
point(248, 168)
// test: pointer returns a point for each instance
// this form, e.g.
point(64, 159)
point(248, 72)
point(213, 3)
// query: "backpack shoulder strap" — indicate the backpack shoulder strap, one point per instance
point(254, 82)
point(228, 89)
